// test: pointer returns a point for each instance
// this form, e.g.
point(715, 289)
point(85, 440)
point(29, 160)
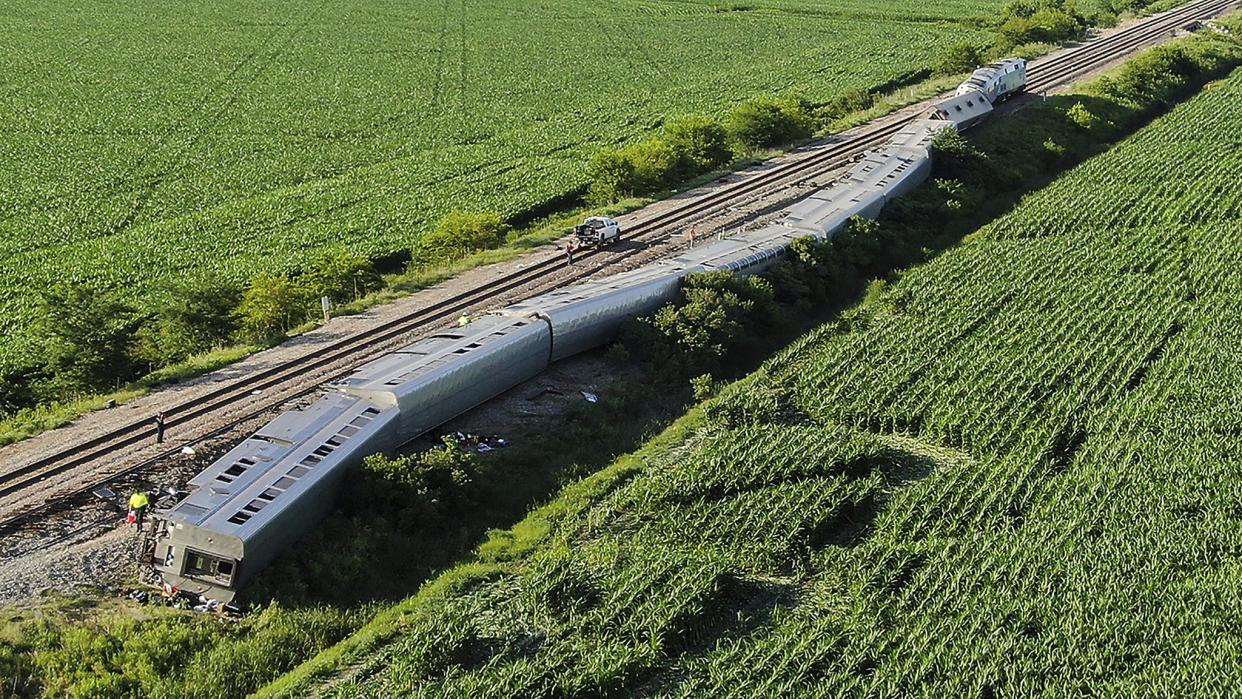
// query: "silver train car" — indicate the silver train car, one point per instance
point(964, 111)
point(248, 506)
point(879, 176)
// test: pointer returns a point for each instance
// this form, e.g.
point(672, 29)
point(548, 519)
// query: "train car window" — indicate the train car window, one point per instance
point(203, 565)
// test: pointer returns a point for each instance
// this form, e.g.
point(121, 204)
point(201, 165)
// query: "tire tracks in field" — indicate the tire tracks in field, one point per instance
point(250, 76)
point(437, 85)
point(128, 179)
point(463, 72)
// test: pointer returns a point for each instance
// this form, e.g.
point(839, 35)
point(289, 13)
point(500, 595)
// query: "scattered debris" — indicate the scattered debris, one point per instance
point(104, 493)
point(165, 595)
point(591, 397)
point(188, 451)
point(474, 442)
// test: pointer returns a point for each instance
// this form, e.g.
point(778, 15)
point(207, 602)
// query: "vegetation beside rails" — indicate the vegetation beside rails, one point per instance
point(418, 515)
point(990, 165)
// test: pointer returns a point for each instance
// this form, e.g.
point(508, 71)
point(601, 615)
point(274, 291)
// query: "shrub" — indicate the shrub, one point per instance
point(271, 305)
point(956, 58)
point(415, 490)
point(763, 122)
point(86, 337)
point(1046, 21)
point(656, 165)
point(17, 388)
point(703, 386)
point(688, 146)
point(612, 176)
point(1153, 77)
point(718, 314)
point(700, 143)
point(460, 234)
point(1082, 117)
point(856, 100)
point(340, 275)
point(192, 317)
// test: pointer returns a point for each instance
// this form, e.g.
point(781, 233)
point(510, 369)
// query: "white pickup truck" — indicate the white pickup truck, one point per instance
point(598, 230)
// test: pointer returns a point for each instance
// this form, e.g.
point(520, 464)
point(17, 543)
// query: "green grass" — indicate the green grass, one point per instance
point(1011, 472)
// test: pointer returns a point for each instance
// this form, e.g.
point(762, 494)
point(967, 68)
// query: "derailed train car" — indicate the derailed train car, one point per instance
point(250, 504)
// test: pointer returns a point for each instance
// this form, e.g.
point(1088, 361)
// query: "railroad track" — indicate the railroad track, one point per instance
point(1043, 75)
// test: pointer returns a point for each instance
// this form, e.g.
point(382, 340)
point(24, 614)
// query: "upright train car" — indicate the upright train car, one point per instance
point(997, 81)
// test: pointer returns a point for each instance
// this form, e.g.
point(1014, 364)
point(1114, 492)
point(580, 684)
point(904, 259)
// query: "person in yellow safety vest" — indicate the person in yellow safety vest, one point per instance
point(463, 321)
point(138, 507)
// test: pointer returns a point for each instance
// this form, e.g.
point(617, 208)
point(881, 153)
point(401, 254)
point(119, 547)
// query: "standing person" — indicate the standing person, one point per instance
point(569, 252)
point(159, 428)
point(138, 507)
point(694, 234)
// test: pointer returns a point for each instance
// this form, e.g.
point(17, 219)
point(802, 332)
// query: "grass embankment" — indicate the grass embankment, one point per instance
point(548, 604)
point(331, 577)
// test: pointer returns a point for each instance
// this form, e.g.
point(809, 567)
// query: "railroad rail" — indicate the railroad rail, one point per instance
point(241, 393)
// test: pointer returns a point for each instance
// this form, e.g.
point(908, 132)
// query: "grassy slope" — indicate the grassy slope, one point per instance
point(1014, 471)
point(143, 142)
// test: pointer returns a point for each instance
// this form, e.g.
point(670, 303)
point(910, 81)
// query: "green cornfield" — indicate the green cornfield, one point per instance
point(1015, 473)
point(146, 141)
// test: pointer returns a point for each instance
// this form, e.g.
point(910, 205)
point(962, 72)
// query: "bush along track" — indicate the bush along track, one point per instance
point(920, 498)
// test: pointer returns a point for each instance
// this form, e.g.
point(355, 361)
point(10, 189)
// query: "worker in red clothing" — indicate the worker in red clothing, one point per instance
point(569, 252)
point(694, 234)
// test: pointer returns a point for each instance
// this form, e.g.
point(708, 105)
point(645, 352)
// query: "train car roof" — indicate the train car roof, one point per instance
point(741, 252)
point(659, 273)
point(431, 353)
point(917, 134)
point(266, 473)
